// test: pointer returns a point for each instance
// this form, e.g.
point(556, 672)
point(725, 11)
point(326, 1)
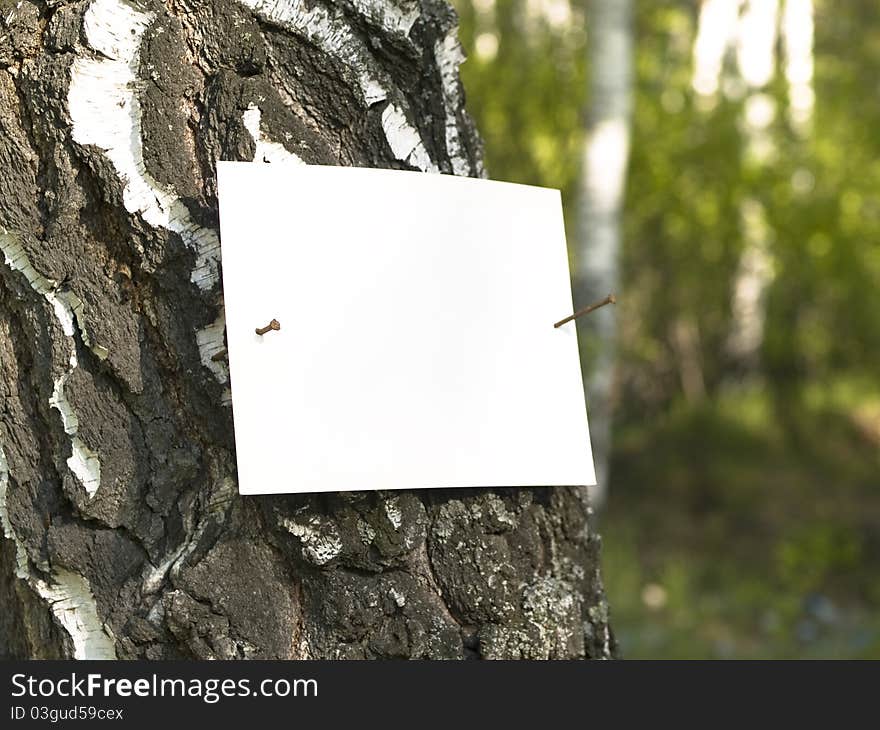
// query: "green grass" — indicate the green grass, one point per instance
point(748, 528)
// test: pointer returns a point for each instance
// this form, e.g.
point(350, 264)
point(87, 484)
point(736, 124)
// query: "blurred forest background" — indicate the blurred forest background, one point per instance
point(742, 517)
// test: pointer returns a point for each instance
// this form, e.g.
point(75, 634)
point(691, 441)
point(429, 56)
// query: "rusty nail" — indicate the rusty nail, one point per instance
point(610, 299)
point(273, 325)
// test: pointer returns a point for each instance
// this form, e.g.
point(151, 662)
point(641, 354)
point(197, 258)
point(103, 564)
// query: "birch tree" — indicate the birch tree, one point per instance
point(752, 28)
point(603, 180)
point(123, 534)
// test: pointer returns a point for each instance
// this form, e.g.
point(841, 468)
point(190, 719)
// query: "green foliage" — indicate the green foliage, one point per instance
point(747, 504)
point(517, 68)
point(763, 546)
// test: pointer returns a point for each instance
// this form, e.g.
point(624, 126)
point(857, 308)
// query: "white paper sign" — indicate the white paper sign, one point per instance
point(417, 346)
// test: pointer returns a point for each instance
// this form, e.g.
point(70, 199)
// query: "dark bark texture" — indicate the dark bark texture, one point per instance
point(122, 530)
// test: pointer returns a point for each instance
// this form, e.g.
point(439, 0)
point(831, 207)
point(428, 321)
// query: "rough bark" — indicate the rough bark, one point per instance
point(123, 532)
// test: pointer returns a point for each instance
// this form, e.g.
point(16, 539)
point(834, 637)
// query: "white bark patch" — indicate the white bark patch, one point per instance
point(404, 139)
point(105, 111)
point(449, 57)
point(21, 561)
point(210, 341)
point(392, 512)
point(266, 150)
point(365, 531)
point(17, 260)
point(75, 305)
point(155, 575)
point(397, 597)
point(336, 39)
point(68, 594)
point(83, 462)
point(320, 539)
point(498, 511)
point(70, 598)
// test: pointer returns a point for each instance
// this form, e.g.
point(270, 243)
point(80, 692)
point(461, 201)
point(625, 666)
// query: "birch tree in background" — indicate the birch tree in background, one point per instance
point(603, 180)
point(751, 28)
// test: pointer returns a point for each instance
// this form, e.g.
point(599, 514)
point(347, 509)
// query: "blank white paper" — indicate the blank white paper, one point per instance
point(417, 346)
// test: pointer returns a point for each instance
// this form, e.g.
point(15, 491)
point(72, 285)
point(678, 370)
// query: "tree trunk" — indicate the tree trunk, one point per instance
point(603, 182)
point(123, 531)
